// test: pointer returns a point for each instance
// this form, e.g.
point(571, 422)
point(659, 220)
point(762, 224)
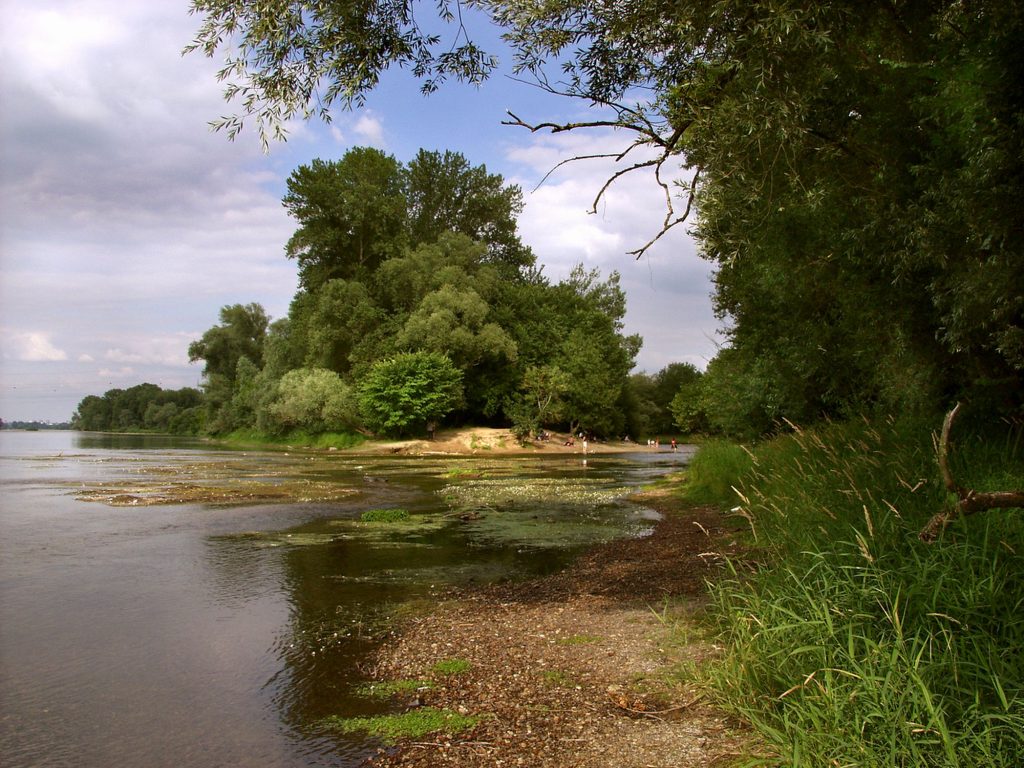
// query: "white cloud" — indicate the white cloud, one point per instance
point(86, 359)
point(668, 289)
point(34, 347)
point(370, 129)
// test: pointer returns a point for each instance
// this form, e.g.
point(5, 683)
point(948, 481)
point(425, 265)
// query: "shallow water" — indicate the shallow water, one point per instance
point(222, 634)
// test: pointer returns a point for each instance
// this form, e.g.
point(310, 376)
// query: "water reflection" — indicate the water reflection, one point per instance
point(202, 635)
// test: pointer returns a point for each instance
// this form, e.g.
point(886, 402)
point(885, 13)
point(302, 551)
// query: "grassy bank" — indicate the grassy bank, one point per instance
point(251, 438)
point(849, 641)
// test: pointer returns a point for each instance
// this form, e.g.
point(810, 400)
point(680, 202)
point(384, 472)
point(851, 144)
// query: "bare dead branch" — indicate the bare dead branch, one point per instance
point(669, 224)
point(615, 176)
point(968, 500)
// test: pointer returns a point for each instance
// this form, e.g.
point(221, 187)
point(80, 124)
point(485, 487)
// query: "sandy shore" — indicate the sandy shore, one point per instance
point(495, 442)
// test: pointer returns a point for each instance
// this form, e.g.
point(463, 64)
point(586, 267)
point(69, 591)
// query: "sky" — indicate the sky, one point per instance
point(126, 223)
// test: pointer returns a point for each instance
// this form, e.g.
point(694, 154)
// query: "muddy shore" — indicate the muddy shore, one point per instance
point(585, 668)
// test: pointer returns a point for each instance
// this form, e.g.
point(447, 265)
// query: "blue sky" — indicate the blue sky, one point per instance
point(125, 224)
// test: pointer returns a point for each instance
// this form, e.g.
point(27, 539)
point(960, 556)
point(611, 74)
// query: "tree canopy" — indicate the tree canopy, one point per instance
point(417, 302)
point(853, 171)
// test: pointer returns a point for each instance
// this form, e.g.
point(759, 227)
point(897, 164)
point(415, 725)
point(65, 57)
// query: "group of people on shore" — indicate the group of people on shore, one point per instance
point(655, 443)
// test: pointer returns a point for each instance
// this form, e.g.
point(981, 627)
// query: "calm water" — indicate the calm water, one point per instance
point(205, 635)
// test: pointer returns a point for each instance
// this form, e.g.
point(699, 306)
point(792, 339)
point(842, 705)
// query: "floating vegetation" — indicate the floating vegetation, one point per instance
point(385, 515)
point(500, 491)
point(544, 512)
point(566, 528)
point(149, 494)
point(409, 725)
point(486, 572)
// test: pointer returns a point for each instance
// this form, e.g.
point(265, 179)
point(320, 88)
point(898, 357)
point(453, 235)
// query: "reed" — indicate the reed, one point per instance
point(851, 642)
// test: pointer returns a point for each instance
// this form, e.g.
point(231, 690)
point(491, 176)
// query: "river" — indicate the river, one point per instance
point(164, 602)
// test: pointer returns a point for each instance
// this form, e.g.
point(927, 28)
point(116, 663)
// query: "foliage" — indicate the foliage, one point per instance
point(715, 471)
point(854, 170)
point(288, 59)
point(315, 400)
point(403, 393)
point(240, 335)
point(655, 396)
point(415, 259)
point(854, 642)
point(541, 402)
point(351, 215)
point(142, 408)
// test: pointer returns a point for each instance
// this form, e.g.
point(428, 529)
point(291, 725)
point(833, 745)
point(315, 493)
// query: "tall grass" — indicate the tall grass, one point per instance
point(295, 438)
point(852, 643)
point(713, 471)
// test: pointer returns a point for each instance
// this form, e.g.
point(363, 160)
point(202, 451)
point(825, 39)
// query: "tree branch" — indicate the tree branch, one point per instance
point(968, 501)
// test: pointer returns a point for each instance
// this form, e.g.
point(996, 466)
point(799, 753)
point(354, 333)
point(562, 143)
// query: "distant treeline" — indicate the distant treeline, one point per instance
point(33, 426)
point(142, 408)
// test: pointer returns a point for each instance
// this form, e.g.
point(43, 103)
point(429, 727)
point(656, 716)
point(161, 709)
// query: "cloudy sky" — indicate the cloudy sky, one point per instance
point(125, 224)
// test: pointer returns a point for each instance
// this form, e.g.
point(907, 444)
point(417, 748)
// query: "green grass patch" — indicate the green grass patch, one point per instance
point(451, 667)
point(853, 642)
point(409, 725)
point(715, 471)
point(463, 473)
point(385, 515)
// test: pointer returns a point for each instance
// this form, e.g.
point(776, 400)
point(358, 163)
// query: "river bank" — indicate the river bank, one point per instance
point(496, 442)
point(583, 668)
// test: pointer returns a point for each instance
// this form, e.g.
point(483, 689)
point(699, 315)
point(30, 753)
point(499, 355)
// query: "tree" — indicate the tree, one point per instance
point(293, 58)
point(344, 315)
point(404, 393)
point(540, 399)
point(351, 215)
point(447, 194)
point(240, 334)
point(316, 400)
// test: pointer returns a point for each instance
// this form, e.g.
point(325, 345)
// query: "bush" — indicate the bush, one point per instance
point(315, 400)
point(404, 393)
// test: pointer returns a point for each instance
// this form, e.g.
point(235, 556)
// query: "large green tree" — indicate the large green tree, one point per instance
point(239, 336)
point(351, 215)
point(448, 194)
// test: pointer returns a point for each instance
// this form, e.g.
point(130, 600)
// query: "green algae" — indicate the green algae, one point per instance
point(150, 493)
point(413, 724)
point(384, 516)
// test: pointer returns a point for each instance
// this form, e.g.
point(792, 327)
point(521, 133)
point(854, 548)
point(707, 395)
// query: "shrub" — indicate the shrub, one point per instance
point(405, 392)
